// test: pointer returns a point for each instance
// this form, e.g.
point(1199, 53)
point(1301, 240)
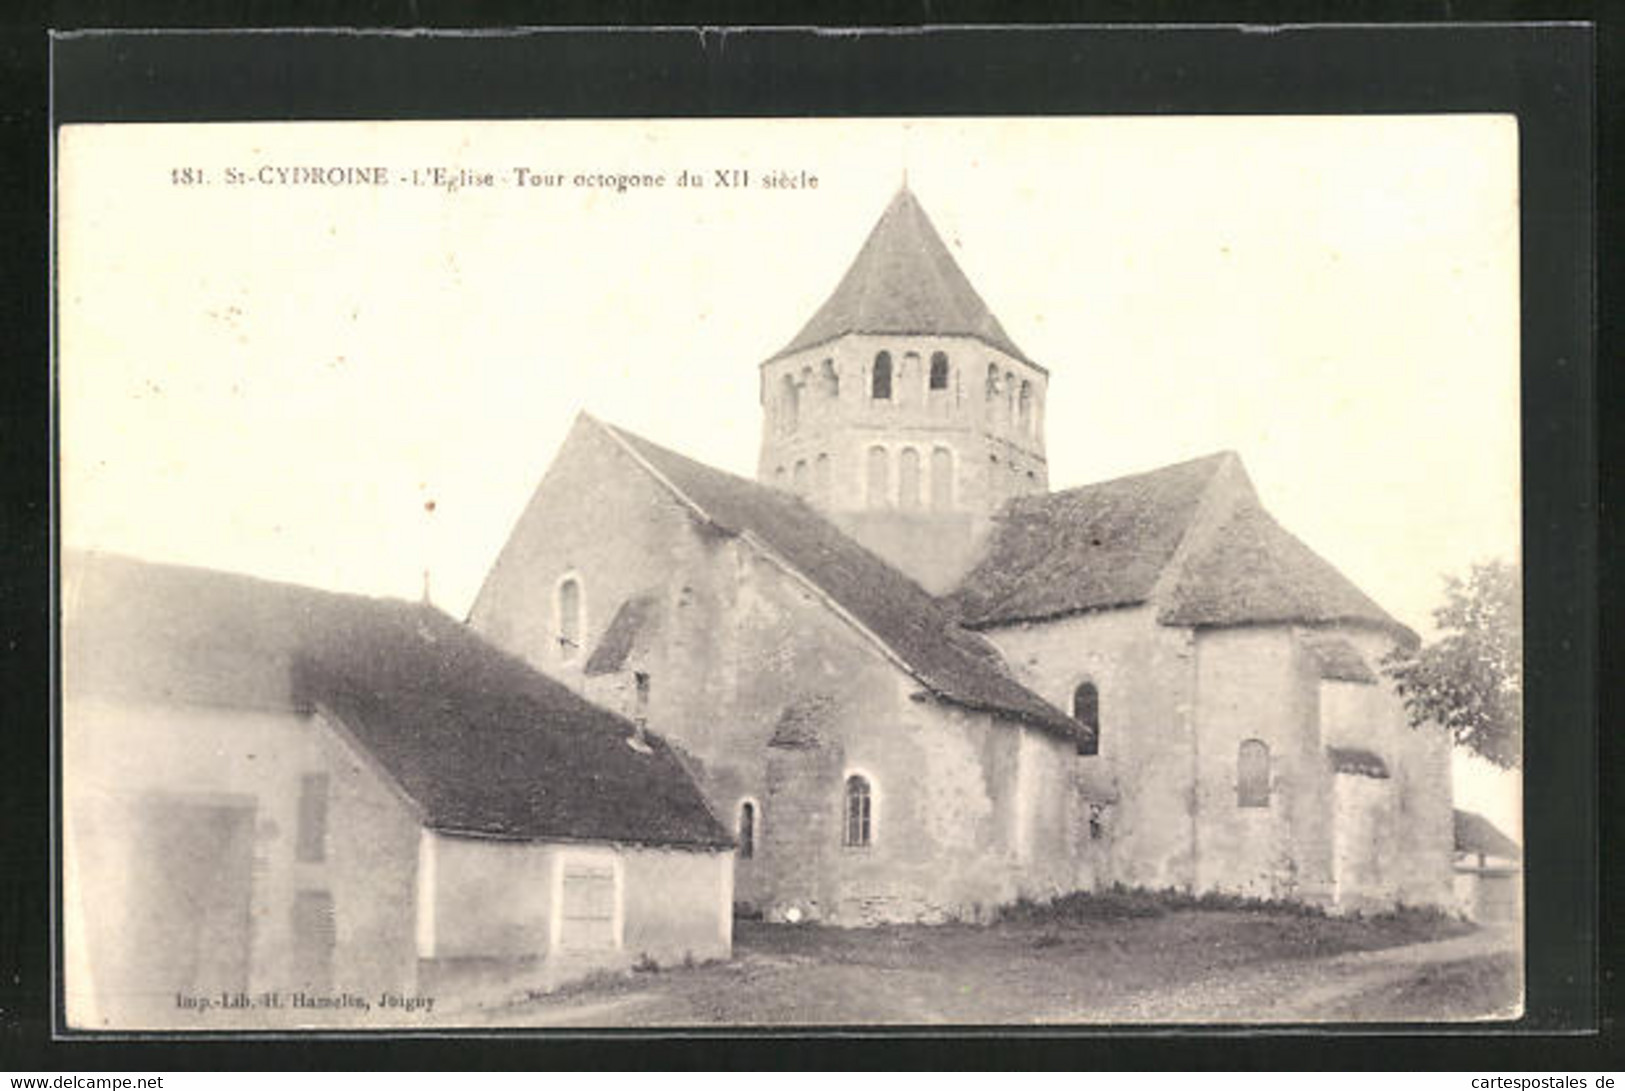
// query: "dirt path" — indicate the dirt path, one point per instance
point(1204, 967)
point(1361, 986)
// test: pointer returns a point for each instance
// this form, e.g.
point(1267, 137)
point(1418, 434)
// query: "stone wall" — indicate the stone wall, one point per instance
point(736, 639)
point(933, 535)
point(1417, 858)
point(1139, 782)
point(1258, 683)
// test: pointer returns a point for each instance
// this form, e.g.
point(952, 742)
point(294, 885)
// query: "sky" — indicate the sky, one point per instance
point(348, 386)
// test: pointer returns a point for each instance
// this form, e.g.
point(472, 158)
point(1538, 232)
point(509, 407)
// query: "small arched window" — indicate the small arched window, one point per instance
point(1026, 406)
point(568, 613)
point(939, 371)
point(880, 380)
point(908, 479)
point(942, 479)
point(1086, 710)
point(1010, 398)
point(798, 477)
point(747, 830)
point(1253, 774)
point(992, 390)
point(821, 477)
point(858, 828)
point(879, 478)
point(789, 403)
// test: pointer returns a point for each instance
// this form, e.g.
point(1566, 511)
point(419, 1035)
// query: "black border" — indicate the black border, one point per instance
point(1544, 74)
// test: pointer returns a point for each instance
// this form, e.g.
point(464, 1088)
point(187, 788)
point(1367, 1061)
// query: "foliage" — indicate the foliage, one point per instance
point(1469, 681)
point(1121, 902)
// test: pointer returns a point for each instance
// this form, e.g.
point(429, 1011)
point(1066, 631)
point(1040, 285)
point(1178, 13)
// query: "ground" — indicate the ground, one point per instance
point(1180, 966)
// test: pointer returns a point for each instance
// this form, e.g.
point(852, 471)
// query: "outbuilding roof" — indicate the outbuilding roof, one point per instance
point(481, 743)
point(950, 662)
point(904, 280)
point(1475, 833)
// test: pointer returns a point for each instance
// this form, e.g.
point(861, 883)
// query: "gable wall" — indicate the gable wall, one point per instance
point(147, 789)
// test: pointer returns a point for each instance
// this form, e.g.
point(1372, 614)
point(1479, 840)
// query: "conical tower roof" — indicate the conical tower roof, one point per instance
point(904, 281)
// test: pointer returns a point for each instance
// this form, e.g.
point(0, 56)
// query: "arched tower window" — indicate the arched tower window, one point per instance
point(939, 371)
point(942, 479)
point(908, 479)
point(567, 609)
point(1026, 406)
point(857, 831)
point(880, 379)
point(1086, 710)
point(821, 478)
point(879, 478)
point(830, 380)
point(1010, 399)
point(747, 830)
point(789, 403)
point(1253, 774)
point(992, 389)
point(798, 477)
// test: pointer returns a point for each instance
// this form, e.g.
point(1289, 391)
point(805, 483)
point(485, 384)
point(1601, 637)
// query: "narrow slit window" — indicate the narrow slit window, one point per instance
point(939, 371)
point(569, 618)
point(1086, 710)
point(747, 830)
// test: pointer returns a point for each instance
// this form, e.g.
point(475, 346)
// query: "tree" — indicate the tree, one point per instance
point(1469, 680)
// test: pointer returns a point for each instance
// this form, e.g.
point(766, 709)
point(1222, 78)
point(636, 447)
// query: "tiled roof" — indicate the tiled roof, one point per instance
point(1253, 571)
point(904, 281)
point(1191, 537)
point(481, 743)
point(952, 663)
point(1357, 762)
point(1088, 548)
point(635, 615)
point(1475, 833)
point(1339, 660)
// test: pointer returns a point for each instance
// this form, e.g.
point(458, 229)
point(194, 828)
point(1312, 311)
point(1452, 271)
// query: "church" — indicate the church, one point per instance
point(916, 684)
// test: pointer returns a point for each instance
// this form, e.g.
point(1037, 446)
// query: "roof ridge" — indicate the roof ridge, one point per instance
point(1215, 457)
point(928, 613)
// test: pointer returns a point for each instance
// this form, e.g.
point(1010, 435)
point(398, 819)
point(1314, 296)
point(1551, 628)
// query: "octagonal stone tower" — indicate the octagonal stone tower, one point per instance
point(902, 409)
